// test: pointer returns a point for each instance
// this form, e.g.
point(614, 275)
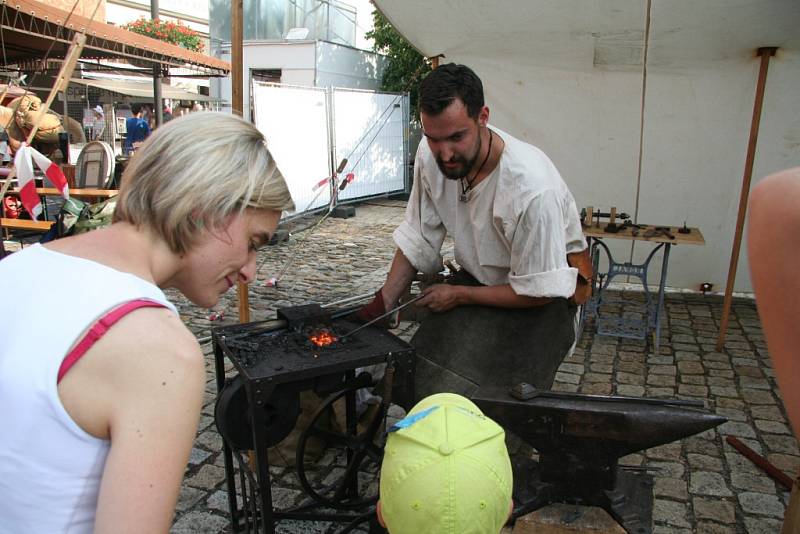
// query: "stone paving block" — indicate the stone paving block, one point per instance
point(735, 428)
point(785, 462)
point(715, 509)
point(732, 414)
point(748, 370)
point(772, 427)
point(705, 462)
point(635, 368)
point(673, 488)
point(662, 370)
point(661, 380)
point(667, 469)
point(786, 444)
point(673, 513)
point(597, 388)
point(708, 483)
point(721, 382)
point(188, 497)
point(761, 504)
point(571, 368)
point(565, 386)
point(630, 379)
point(568, 378)
point(668, 451)
point(757, 396)
point(198, 456)
point(725, 373)
point(724, 402)
point(661, 393)
point(692, 391)
point(695, 380)
point(630, 391)
point(684, 356)
point(596, 377)
point(634, 459)
point(756, 482)
point(707, 527)
point(762, 525)
point(660, 360)
point(208, 477)
point(604, 368)
point(196, 522)
point(770, 413)
point(691, 368)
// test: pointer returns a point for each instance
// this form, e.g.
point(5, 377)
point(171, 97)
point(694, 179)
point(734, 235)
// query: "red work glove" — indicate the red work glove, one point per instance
point(373, 309)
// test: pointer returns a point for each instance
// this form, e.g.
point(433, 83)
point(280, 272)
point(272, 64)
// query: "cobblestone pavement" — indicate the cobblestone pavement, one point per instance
point(701, 483)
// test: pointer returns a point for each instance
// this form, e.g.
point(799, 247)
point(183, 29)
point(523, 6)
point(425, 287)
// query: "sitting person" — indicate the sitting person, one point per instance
point(445, 469)
point(97, 430)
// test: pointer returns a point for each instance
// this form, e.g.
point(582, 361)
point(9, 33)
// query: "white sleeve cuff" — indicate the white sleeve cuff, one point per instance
point(417, 250)
point(556, 283)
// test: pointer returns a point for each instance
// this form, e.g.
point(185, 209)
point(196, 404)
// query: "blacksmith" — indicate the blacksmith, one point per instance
point(509, 314)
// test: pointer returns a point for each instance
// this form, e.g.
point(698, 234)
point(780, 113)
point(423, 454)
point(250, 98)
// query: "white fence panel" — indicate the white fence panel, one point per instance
point(370, 130)
point(295, 122)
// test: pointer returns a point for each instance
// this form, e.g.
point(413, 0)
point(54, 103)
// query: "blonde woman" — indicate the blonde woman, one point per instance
point(101, 384)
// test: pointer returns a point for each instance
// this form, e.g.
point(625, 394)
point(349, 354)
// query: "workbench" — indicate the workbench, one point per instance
point(663, 237)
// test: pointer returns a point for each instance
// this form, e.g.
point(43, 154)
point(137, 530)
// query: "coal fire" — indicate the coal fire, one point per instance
point(323, 338)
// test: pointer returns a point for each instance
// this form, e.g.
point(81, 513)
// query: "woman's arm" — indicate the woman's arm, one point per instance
point(147, 377)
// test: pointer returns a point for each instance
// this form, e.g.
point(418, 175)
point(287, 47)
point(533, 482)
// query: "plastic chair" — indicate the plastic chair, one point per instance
point(95, 166)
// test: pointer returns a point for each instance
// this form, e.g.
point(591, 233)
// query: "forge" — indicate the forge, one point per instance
point(303, 349)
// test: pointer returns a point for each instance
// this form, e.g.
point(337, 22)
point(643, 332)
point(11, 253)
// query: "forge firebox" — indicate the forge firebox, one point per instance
point(304, 349)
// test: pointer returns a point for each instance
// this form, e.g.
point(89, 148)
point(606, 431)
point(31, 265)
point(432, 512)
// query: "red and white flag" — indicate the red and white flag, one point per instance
point(24, 160)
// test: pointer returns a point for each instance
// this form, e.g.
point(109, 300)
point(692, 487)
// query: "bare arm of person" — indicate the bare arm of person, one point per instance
point(774, 257)
point(400, 276)
point(442, 297)
point(147, 378)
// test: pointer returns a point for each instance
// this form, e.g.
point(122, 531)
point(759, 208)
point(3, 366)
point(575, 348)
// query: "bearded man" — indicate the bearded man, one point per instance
point(509, 313)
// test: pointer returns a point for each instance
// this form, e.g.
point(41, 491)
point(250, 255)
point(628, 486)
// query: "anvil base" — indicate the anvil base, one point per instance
point(630, 503)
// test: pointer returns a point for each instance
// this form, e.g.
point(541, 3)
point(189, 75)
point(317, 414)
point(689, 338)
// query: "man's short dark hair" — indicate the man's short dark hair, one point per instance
point(136, 108)
point(447, 82)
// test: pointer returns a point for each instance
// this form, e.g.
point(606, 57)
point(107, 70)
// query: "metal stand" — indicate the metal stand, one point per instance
point(622, 326)
point(249, 490)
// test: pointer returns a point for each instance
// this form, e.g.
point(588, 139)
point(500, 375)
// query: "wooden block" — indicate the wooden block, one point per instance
point(567, 519)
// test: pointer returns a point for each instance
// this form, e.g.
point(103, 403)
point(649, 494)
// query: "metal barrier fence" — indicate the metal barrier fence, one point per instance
point(311, 130)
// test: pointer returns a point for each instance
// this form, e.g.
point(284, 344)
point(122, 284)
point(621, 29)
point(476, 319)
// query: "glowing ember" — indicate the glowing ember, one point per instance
point(322, 338)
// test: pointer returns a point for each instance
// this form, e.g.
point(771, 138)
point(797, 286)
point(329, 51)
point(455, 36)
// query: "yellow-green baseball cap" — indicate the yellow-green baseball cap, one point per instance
point(445, 470)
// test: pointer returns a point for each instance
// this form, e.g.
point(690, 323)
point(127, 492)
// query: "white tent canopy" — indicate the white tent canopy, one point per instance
point(642, 105)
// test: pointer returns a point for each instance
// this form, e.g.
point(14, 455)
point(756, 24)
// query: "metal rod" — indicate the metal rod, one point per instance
point(774, 473)
point(765, 54)
point(376, 319)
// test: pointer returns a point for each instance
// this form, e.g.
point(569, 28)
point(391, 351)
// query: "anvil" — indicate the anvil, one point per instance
point(580, 439)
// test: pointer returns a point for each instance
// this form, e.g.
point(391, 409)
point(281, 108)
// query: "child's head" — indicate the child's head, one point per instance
point(445, 469)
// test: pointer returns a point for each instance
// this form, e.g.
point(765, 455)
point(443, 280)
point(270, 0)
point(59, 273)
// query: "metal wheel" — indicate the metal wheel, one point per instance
point(361, 449)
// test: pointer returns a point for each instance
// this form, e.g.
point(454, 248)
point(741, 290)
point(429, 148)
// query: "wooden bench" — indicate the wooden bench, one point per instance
point(25, 224)
point(20, 224)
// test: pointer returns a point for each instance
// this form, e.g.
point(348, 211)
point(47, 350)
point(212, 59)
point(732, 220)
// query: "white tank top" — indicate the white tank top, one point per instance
point(50, 469)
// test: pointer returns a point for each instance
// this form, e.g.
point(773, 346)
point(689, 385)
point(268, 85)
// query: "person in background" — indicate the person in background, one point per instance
point(99, 125)
point(137, 129)
point(773, 231)
point(100, 406)
point(445, 469)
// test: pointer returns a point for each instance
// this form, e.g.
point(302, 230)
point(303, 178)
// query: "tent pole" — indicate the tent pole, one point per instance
point(237, 103)
point(765, 53)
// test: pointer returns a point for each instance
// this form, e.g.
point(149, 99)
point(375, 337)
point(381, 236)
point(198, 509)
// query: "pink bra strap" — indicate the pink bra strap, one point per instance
point(99, 329)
